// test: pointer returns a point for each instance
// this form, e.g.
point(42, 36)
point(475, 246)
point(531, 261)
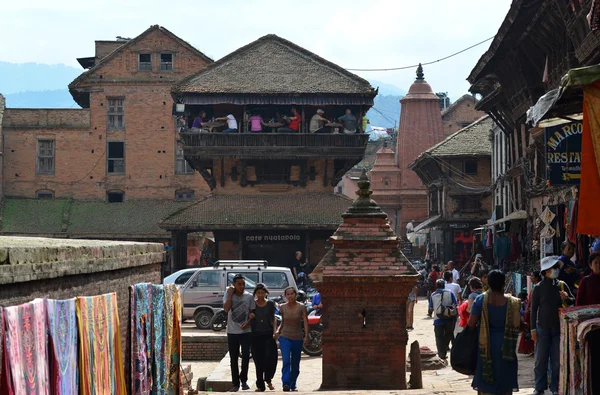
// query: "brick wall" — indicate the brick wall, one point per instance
point(204, 348)
point(461, 111)
point(479, 180)
point(81, 135)
point(80, 272)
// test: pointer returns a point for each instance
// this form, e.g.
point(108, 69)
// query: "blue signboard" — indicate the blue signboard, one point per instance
point(563, 153)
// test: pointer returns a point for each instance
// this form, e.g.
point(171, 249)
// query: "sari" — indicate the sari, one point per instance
point(141, 338)
point(100, 355)
point(26, 349)
point(173, 309)
point(62, 347)
point(159, 363)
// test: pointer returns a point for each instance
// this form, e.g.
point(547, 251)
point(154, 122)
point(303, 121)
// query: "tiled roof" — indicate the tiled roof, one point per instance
point(216, 211)
point(64, 217)
point(273, 65)
point(472, 140)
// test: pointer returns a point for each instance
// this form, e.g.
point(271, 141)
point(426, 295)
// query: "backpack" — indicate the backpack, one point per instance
point(445, 309)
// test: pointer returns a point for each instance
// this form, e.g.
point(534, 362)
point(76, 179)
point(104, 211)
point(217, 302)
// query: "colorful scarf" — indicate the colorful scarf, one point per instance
point(141, 338)
point(101, 359)
point(159, 364)
point(3, 364)
point(62, 347)
point(26, 350)
point(173, 310)
point(511, 334)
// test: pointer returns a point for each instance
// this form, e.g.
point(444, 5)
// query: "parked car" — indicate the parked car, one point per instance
point(180, 277)
point(203, 293)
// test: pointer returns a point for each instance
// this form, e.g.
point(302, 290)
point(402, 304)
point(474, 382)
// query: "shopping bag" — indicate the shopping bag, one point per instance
point(463, 356)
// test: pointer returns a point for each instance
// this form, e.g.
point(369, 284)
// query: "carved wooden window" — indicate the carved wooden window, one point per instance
point(184, 194)
point(44, 194)
point(115, 157)
point(115, 113)
point(471, 167)
point(115, 196)
point(45, 156)
point(145, 62)
point(166, 62)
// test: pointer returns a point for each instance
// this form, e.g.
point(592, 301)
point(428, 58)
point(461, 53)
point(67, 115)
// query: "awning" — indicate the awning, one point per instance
point(517, 215)
point(566, 99)
point(427, 223)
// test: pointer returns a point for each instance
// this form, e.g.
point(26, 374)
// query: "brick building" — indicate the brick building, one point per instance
point(66, 169)
point(460, 114)
point(457, 173)
point(271, 192)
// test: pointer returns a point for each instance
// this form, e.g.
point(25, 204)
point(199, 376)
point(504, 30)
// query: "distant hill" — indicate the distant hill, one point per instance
point(29, 77)
point(386, 110)
point(60, 98)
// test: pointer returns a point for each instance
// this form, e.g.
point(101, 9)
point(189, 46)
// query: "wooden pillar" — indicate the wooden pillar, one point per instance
point(241, 244)
point(307, 247)
point(179, 249)
point(303, 125)
point(325, 180)
point(222, 172)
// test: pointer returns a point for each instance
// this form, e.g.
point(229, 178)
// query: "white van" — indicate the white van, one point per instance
point(203, 293)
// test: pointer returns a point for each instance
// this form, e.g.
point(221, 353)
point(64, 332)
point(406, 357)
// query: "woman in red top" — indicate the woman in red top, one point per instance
point(589, 286)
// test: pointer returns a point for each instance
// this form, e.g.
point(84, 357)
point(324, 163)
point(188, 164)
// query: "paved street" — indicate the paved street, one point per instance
point(444, 381)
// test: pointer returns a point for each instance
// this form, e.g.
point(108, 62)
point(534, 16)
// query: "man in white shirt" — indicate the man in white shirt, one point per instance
point(451, 286)
point(455, 273)
point(232, 126)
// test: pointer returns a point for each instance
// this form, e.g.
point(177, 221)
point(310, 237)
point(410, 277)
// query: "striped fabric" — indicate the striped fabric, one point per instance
point(100, 355)
point(62, 346)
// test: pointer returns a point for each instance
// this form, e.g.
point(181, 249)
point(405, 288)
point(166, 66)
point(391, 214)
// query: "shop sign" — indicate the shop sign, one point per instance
point(406, 247)
point(563, 153)
point(272, 238)
point(454, 225)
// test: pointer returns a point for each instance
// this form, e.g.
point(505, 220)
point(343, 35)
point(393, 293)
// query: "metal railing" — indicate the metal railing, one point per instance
point(274, 140)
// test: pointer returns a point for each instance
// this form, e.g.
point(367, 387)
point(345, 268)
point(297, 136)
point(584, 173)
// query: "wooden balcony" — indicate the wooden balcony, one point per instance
point(273, 145)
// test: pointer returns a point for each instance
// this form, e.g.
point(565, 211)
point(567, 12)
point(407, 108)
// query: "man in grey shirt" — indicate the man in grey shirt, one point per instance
point(238, 303)
point(349, 122)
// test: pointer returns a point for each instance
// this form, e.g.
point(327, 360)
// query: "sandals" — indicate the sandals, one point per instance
point(270, 385)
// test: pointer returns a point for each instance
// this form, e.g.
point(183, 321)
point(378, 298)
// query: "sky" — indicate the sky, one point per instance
point(350, 33)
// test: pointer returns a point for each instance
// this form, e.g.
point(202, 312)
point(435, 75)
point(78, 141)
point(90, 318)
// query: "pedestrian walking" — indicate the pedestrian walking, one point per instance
point(444, 305)
point(431, 281)
point(548, 296)
point(499, 320)
point(455, 273)
point(293, 316)
point(238, 304)
point(527, 345)
point(479, 267)
point(264, 347)
point(410, 307)
point(451, 285)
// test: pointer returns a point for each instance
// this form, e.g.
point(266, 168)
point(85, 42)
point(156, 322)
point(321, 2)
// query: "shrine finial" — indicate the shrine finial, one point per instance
point(420, 74)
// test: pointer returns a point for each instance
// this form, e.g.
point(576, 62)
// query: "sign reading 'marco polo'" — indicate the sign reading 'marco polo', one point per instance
point(563, 153)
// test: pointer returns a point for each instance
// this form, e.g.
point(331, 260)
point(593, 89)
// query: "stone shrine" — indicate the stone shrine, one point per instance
point(364, 280)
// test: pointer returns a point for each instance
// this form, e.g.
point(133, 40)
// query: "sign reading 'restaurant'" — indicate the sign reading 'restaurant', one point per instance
point(563, 153)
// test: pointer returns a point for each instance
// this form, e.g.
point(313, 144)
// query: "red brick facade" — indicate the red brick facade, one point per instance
point(460, 114)
point(81, 136)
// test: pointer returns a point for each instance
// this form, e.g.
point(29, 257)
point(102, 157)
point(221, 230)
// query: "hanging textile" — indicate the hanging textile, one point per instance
point(159, 365)
point(26, 349)
point(582, 331)
point(173, 309)
point(573, 222)
point(141, 338)
point(588, 216)
point(572, 378)
point(62, 345)
point(3, 364)
point(101, 359)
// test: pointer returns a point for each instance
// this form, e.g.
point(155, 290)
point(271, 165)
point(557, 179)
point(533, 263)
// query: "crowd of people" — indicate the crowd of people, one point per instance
point(528, 324)
point(347, 123)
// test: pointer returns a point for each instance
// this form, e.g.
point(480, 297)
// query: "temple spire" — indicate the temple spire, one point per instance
point(420, 75)
point(364, 206)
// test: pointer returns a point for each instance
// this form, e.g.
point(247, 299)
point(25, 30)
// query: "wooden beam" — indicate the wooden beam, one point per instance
point(222, 172)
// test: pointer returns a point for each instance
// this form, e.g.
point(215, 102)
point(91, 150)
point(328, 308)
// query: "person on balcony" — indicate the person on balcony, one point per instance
point(317, 122)
point(294, 123)
point(349, 121)
point(232, 126)
point(197, 123)
point(256, 123)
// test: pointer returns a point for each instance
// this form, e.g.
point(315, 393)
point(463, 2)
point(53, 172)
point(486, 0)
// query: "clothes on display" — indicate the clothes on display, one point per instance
point(62, 346)
point(575, 374)
point(26, 349)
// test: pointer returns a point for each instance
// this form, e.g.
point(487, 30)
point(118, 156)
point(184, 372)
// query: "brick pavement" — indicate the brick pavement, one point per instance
point(444, 381)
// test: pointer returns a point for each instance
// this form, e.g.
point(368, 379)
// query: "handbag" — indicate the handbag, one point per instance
point(463, 355)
